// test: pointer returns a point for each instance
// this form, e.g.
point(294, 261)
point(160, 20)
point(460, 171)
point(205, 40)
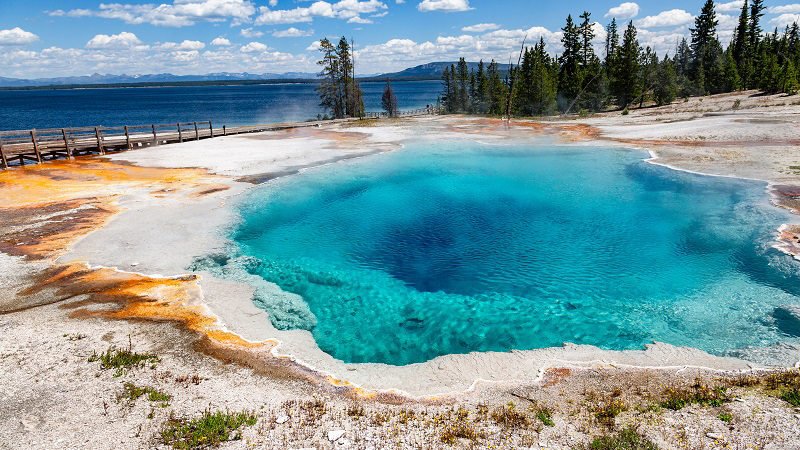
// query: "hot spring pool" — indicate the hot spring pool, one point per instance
point(458, 247)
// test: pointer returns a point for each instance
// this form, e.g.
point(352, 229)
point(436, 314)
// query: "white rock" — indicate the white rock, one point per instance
point(335, 435)
point(714, 435)
point(283, 418)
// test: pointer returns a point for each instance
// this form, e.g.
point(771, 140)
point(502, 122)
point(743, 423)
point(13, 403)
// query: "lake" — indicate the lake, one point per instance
point(223, 105)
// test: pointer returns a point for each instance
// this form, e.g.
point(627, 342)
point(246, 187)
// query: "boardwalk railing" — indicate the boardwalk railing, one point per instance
point(407, 113)
point(46, 144)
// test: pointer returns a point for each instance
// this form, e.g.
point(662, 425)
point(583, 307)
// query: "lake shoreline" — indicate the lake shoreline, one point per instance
point(123, 255)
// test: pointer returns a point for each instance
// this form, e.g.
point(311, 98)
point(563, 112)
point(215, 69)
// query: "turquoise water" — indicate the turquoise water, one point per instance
point(457, 247)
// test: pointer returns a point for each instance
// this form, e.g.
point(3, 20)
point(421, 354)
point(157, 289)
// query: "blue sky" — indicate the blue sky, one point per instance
point(46, 39)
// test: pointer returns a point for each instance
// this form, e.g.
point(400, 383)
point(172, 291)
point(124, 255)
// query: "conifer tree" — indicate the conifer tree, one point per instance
point(703, 38)
point(740, 42)
point(666, 87)
point(569, 81)
point(389, 100)
point(612, 39)
point(483, 89)
point(626, 84)
point(330, 90)
point(462, 81)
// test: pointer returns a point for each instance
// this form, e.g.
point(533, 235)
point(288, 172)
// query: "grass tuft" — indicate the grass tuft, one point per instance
point(627, 439)
point(510, 417)
point(114, 358)
point(131, 392)
point(211, 429)
point(460, 430)
point(698, 393)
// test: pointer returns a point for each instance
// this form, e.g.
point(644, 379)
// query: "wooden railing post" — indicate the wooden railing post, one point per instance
point(196, 132)
point(211, 129)
point(66, 143)
point(99, 141)
point(180, 133)
point(224, 131)
point(36, 146)
point(155, 136)
point(3, 156)
point(128, 138)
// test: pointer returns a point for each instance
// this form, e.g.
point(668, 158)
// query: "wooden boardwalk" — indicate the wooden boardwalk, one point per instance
point(38, 146)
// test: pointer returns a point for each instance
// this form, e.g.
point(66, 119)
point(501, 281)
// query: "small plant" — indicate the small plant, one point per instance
point(460, 430)
point(725, 417)
point(114, 358)
point(211, 429)
point(545, 416)
point(75, 337)
point(355, 410)
point(131, 392)
point(737, 103)
point(625, 112)
point(627, 439)
point(699, 393)
point(510, 417)
point(608, 411)
point(791, 396)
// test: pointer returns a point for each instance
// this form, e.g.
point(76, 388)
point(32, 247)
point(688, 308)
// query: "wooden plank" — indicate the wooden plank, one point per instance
point(196, 132)
point(180, 133)
point(99, 141)
point(211, 128)
point(155, 135)
point(3, 156)
point(128, 138)
point(66, 143)
point(224, 131)
point(36, 146)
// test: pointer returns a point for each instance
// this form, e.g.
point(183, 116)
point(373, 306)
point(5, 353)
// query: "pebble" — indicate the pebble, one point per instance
point(335, 435)
point(714, 435)
point(283, 418)
point(797, 416)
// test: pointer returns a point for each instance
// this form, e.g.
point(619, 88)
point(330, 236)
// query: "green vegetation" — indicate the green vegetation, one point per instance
point(545, 416)
point(698, 393)
point(509, 416)
point(608, 410)
point(627, 439)
point(630, 75)
point(211, 429)
point(114, 358)
point(340, 91)
point(131, 392)
point(460, 430)
point(725, 417)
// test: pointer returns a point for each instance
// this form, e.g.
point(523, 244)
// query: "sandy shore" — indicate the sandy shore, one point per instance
point(97, 250)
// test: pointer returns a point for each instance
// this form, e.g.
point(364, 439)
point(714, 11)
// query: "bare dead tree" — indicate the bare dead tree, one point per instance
point(512, 80)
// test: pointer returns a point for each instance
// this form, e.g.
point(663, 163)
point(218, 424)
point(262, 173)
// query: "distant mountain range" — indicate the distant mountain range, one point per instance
point(432, 70)
point(429, 71)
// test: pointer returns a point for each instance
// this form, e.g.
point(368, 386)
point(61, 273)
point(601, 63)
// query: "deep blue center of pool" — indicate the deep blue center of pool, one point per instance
point(457, 247)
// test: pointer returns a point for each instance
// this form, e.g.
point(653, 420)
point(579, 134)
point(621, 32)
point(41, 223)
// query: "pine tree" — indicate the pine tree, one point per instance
point(447, 95)
point(330, 90)
point(649, 67)
point(703, 35)
point(666, 87)
point(731, 81)
point(740, 42)
point(483, 89)
point(497, 90)
point(462, 81)
point(754, 29)
point(626, 84)
point(612, 39)
point(788, 79)
point(569, 81)
point(389, 100)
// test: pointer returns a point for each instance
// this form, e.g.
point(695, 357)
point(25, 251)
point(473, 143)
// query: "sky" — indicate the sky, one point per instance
point(80, 37)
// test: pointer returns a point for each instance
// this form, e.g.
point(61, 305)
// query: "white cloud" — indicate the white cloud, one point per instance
point(444, 5)
point(180, 13)
point(254, 47)
point(785, 20)
point(733, 6)
point(313, 47)
point(183, 46)
point(726, 22)
point(481, 27)
point(273, 3)
point(292, 32)
point(17, 36)
point(669, 18)
point(794, 8)
point(221, 42)
point(250, 33)
point(344, 9)
point(122, 40)
point(627, 10)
